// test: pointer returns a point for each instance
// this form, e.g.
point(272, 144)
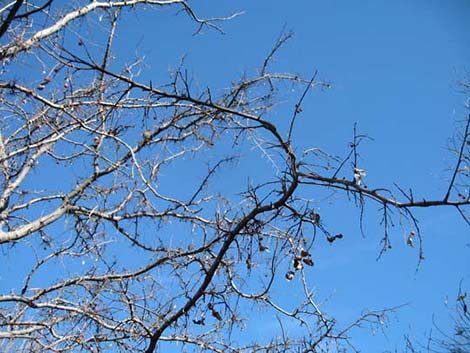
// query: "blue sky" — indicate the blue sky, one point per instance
point(394, 69)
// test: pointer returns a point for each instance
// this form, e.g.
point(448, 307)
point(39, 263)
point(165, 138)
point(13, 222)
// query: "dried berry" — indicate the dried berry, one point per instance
point(298, 264)
point(290, 275)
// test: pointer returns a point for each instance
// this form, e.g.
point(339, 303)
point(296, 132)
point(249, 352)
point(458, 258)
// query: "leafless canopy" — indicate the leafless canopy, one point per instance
point(118, 216)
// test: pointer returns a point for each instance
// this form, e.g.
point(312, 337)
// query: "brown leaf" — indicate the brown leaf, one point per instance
point(216, 314)
point(263, 247)
point(315, 217)
point(409, 241)
point(200, 321)
point(308, 261)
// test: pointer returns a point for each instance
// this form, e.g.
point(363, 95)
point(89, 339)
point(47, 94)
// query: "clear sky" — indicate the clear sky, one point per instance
point(394, 67)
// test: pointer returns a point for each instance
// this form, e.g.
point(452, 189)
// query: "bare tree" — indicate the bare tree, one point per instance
point(116, 253)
